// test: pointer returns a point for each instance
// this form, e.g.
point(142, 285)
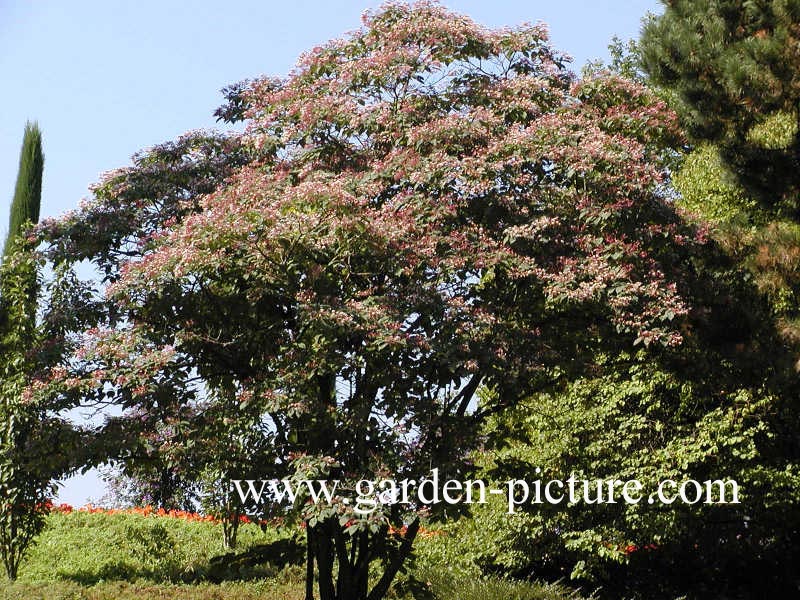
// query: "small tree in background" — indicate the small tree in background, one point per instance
point(36, 446)
point(25, 478)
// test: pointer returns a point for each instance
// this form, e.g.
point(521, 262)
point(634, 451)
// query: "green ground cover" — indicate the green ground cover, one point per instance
point(124, 556)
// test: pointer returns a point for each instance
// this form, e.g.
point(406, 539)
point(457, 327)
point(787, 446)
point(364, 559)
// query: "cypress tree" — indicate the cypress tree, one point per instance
point(28, 192)
point(24, 475)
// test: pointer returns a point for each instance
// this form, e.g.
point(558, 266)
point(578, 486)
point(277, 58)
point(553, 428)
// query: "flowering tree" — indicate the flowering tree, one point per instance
point(167, 448)
point(423, 208)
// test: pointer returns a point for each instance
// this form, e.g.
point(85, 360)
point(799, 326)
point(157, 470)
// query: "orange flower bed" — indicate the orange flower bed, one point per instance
point(146, 511)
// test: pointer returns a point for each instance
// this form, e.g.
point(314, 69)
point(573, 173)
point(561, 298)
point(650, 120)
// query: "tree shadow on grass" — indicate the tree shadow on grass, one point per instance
point(255, 562)
point(111, 571)
point(261, 561)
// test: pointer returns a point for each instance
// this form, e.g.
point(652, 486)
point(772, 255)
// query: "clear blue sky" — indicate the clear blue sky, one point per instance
point(105, 78)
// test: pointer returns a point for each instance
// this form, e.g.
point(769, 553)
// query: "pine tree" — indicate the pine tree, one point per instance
point(28, 192)
point(735, 65)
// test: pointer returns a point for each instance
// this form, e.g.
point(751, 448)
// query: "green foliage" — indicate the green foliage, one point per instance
point(768, 248)
point(733, 73)
point(24, 470)
point(710, 193)
point(649, 423)
point(152, 546)
point(734, 68)
point(27, 200)
point(624, 61)
point(775, 132)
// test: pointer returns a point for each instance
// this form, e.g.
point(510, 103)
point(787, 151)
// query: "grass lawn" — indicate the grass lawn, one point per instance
point(124, 590)
point(125, 556)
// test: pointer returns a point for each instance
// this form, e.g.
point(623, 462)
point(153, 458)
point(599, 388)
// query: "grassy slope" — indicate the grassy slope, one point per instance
point(83, 556)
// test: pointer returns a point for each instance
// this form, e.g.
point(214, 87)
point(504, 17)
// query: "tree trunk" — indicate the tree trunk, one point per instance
point(327, 546)
point(309, 563)
point(325, 558)
point(382, 587)
point(230, 530)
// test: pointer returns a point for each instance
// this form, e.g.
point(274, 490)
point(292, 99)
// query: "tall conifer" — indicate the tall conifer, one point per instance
point(24, 481)
point(28, 192)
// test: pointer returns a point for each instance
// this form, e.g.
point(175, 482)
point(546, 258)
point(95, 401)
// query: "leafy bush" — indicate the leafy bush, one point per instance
point(150, 543)
point(650, 425)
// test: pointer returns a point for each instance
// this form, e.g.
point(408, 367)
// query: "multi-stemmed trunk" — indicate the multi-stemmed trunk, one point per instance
point(342, 563)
